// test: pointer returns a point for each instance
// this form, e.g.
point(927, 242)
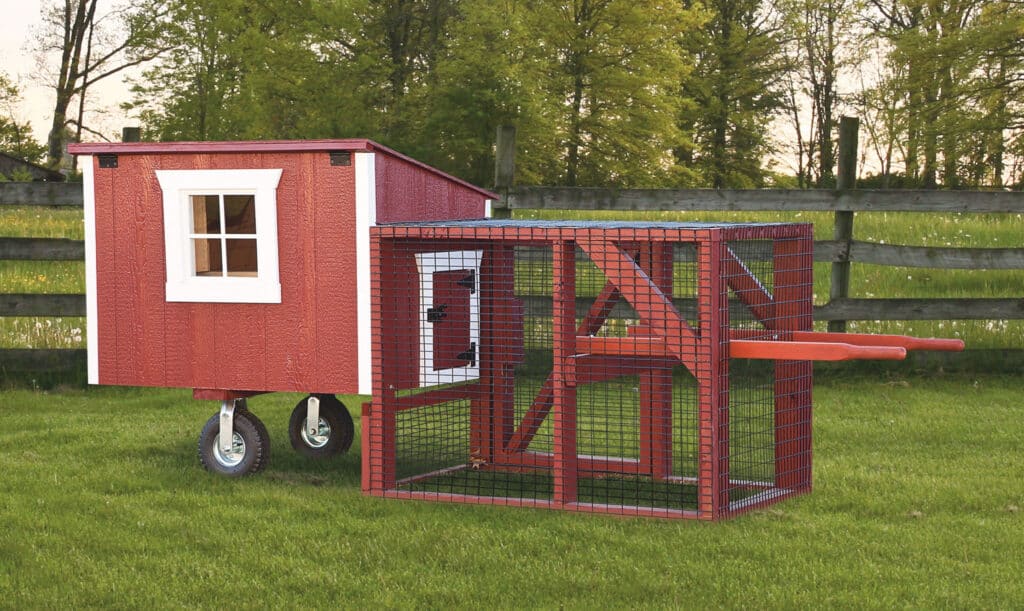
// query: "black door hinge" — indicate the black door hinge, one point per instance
point(468, 355)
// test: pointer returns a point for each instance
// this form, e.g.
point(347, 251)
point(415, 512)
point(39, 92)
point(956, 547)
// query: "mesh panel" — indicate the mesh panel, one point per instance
point(587, 366)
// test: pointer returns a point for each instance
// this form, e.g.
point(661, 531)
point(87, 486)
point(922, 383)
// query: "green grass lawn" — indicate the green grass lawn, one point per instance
point(918, 490)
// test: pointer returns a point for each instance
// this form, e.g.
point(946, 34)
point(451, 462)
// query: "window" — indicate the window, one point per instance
point(220, 235)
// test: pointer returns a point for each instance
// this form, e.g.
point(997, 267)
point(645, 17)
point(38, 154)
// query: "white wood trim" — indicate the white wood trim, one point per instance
point(428, 263)
point(366, 217)
point(488, 208)
point(92, 340)
point(178, 186)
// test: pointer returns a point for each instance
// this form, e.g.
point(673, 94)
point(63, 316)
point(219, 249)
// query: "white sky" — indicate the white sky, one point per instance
point(18, 20)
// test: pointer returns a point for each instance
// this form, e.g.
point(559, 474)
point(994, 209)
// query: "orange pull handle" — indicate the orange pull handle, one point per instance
point(812, 351)
point(868, 339)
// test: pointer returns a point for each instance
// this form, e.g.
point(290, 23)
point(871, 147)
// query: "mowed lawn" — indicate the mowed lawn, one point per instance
point(919, 483)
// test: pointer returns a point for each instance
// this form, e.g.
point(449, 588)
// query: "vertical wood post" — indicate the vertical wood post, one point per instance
point(563, 277)
point(131, 134)
point(504, 168)
point(843, 228)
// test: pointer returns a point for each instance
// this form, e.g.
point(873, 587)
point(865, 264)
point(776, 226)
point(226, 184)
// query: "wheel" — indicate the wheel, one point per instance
point(335, 431)
point(250, 450)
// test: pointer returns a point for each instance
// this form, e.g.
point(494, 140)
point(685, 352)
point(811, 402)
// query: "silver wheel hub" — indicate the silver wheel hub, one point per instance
point(322, 436)
point(234, 456)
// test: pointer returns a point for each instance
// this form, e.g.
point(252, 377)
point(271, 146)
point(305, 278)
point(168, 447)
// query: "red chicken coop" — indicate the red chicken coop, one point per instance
point(236, 268)
point(657, 369)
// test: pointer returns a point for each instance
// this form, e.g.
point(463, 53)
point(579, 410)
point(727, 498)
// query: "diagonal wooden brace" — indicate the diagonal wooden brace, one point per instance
point(655, 309)
point(748, 288)
point(541, 406)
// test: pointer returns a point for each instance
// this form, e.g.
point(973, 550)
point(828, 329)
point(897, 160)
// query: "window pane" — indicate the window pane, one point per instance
point(208, 259)
point(206, 214)
point(242, 257)
point(240, 214)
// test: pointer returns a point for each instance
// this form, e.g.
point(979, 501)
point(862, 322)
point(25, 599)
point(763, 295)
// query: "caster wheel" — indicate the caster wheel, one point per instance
point(334, 433)
point(250, 447)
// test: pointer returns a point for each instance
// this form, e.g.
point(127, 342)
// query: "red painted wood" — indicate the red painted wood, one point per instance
point(381, 443)
point(217, 394)
point(438, 395)
point(451, 332)
point(712, 379)
point(563, 280)
point(364, 442)
point(655, 309)
point(492, 412)
point(586, 466)
point(261, 146)
point(303, 344)
point(596, 316)
point(593, 368)
point(239, 330)
point(405, 192)
point(129, 307)
point(334, 293)
point(186, 364)
point(228, 147)
point(655, 384)
point(106, 316)
point(793, 285)
point(748, 289)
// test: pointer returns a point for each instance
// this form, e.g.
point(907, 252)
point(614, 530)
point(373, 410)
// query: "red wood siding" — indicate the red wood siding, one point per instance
point(405, 192)
point(305, 343)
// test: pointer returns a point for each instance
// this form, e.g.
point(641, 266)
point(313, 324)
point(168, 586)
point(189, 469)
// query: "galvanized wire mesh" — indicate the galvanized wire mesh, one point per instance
point(586, 366)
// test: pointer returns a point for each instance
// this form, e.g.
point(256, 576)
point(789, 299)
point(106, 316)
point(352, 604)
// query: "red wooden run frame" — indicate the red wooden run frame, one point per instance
point(587, 414)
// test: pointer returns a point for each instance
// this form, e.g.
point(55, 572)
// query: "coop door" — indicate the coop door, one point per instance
point(449, 316)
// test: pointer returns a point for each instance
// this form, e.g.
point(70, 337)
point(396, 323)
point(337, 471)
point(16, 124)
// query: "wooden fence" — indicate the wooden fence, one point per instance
point(840, 251)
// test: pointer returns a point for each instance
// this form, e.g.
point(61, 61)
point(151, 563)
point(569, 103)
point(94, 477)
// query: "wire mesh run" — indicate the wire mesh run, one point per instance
point(587, 366)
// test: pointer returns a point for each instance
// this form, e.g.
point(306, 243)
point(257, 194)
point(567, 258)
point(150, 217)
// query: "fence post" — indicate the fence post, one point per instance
point(504, 168)
point(843, 229)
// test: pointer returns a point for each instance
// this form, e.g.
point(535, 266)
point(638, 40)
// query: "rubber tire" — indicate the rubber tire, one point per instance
point(263, 431)
point(333, 412)
point(253, 433)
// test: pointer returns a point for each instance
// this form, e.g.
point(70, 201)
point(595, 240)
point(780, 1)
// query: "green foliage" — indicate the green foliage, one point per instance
point(16, 137)
point(956, 70)
point(604, 92)
point(433, 78)
point(736, 91)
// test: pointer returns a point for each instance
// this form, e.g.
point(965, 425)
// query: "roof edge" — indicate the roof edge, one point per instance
point(259, 146)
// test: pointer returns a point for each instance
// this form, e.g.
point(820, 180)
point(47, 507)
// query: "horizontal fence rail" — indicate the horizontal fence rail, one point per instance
point(41, 249)
point(826, 251)
point(763, 200)
point(40, 193)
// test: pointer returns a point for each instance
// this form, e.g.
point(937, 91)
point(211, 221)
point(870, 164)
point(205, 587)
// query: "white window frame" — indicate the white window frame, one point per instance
point(182, 283)
point(428, 264)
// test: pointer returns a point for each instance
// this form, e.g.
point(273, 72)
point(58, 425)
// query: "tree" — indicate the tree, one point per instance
point(92, 47)
point(15, 137)
point(960, 60)
point(820, 31)
point(608, 74)
point(737, 88)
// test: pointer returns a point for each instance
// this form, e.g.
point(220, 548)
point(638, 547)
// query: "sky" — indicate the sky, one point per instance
point(17, 60)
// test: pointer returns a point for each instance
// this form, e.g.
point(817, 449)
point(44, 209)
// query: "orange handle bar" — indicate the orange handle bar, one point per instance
point(744, 349)
point(860, 339)
point(867, 339)
point(812, 351)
